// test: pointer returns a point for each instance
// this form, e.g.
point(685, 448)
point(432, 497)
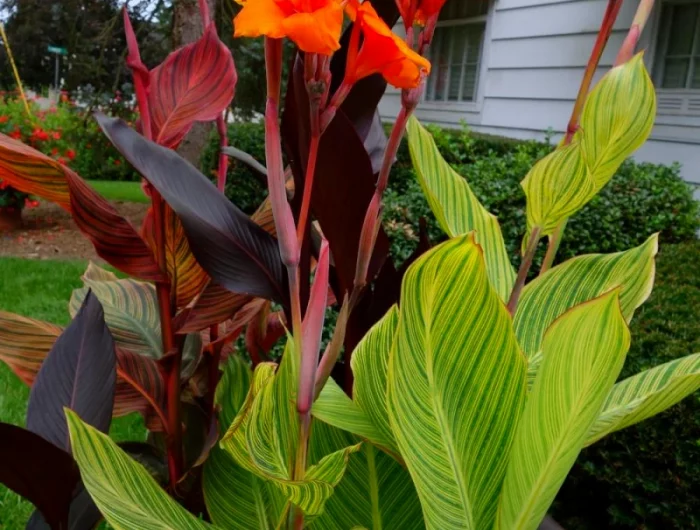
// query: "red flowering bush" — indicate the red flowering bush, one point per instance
point(65, 133)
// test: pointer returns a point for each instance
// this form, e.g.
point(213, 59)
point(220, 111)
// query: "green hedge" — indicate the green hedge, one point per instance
point(640, 200)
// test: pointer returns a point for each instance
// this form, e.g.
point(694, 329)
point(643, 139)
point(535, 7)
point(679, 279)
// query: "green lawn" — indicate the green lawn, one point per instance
point(39, 289)
point(120, 191)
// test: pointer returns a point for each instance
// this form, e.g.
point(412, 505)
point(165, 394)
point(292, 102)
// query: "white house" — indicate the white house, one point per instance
point(513, 68)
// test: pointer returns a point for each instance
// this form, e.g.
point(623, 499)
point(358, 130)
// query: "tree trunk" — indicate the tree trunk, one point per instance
point(187, 28)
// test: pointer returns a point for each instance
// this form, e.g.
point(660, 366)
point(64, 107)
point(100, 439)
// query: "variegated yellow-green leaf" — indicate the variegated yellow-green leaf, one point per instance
point(366, 415)
point(335, 408)
point(375, 493)
point(235, 498)
point(123, 489)
point(617, 119)
point(456, 207)
point(132, 315)
point(533, 365)
point(579, 280)
point(557, 187)
point(370, 362)
point(456, 385)
point(264, 435)
point(646, 394)
point(583, 353)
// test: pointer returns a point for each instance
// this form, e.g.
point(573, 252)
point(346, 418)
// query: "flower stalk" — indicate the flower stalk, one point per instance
point(609, 18)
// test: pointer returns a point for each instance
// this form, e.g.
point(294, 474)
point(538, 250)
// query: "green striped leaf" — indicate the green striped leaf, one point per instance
point(583, 353)
point(370, 362)
point(456, 385)
point(375, 493)
point(617, 119)
point(236, 499)
point(335, 408)
point(264, 436)
point(646, 394)
point(581, 279)
point(557, 187)
point(124, 491)
point(366, 415)
point(456, 208)
point(132, 315)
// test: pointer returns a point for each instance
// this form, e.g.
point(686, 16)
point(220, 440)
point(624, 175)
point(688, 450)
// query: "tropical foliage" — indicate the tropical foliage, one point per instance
point(451, 394)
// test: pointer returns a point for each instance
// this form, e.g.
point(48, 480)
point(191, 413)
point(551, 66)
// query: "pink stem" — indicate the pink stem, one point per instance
point(372, 221)
point(204, 13)
point(635, 32)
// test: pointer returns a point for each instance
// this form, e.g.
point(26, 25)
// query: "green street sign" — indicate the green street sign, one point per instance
point(58, 50)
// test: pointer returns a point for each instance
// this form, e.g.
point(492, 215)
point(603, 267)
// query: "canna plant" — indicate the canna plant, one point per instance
point(452, 393)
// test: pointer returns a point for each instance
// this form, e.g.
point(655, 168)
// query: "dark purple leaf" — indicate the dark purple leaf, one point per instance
point(84, 514)
point(79, 373)
point(38, 471)
point(232, 249)
point(343, 186)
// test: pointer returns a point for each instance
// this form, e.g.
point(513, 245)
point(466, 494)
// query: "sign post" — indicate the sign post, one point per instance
point(58, 51)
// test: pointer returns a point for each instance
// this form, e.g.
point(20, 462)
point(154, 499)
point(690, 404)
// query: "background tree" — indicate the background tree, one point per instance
point(92, 32)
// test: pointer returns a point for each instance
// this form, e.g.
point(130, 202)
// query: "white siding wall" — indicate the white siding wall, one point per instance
point(533, 60)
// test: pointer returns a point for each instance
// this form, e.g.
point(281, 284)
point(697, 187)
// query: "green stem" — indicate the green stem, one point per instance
point(553, 247)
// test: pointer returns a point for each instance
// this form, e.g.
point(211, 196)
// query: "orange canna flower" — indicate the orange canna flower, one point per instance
point(381, 52)
point(313, 25)
point(428, 9)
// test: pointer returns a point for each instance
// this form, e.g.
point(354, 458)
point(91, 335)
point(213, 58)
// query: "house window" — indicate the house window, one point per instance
point(456, 51)
point(678, 51)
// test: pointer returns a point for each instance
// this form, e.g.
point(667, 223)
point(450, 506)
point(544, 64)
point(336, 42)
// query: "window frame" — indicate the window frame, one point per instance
point(660, 48)
point(462, 104)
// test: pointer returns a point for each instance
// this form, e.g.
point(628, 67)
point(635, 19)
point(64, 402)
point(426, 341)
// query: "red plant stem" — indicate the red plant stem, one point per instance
point(524, 269)
point(337, 100)
point(165, 305)
point(169, 347)
point(310, 173)
point(372, 221)
point(223, 159)
point(606, 27)
point(213, 373)
point(632, 39)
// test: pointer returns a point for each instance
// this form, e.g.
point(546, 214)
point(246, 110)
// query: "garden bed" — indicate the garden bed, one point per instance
point(49, 233)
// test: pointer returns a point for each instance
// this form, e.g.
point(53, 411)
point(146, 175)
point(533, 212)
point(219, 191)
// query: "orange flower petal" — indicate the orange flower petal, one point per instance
point(384, 52)
point(317, 32)
point(427, 9)
point(260, 17)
